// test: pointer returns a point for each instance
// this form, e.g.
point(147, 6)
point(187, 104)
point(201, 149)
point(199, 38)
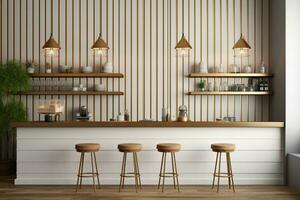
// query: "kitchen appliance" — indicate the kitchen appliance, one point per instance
point(83, 114)
point(182, 116)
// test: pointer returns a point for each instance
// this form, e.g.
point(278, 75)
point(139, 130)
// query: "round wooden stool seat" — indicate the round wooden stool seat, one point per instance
point(168, 147)
point(223, 147)
point(130, 147)
point(87, 147)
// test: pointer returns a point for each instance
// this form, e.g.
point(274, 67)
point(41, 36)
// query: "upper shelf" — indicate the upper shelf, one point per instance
point(233, 75)
point(71, 93)
point(77, 75)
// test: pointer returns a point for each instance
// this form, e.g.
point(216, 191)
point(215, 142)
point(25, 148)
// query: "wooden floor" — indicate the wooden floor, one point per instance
point(10, 192)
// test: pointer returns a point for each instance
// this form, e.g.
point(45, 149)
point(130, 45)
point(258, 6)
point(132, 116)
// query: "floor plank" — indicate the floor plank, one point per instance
point(8, 191)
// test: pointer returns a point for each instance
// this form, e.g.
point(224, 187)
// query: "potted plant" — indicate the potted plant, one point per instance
point(13, 79)
point(202, 86)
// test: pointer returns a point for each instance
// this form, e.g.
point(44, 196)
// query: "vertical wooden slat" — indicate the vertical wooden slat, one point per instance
point(144, 61)
point(72, 50)
point(156, 10)
point(150, 62)
point(182, 58)
point(221, 54)
point(214, 47)
point(125, 55)
point(163, 54)
point(241, 30)
point(32, 56)
point(79, 46)
point(170, 62)
point(176, 61)
point(119, 62)
point(207, 53)
point(262, 55)
point(227, 52)
point(66, 53)
point(100, 98)
point(201, 54)
point(94, 65)
point(137, 61)
point(131, 67)
point(107, 58)
point(195, 53)
point(113, 56)
point(189, 59)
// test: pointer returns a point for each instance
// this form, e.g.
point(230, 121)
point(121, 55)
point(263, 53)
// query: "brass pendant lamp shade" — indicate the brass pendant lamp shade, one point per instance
point(100, 46)
point(51, 47)
point(183, 47)
point(242, 47)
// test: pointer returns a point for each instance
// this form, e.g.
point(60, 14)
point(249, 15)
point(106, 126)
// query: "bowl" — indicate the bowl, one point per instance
point(87, 69)
point(107, 68)
point(99, 87)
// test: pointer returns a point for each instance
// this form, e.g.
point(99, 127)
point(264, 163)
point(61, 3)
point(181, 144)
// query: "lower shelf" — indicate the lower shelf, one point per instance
point(232, 93)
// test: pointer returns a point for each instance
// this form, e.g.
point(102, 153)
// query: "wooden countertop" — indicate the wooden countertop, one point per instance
point(153, 124)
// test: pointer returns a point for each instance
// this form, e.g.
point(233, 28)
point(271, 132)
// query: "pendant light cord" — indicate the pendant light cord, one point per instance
point(183, 17)
point(51, 16)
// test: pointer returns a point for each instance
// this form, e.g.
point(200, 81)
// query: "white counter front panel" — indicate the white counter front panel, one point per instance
point(47, 155)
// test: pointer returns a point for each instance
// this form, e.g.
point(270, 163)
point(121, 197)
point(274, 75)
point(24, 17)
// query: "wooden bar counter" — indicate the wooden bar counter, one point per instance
point(46, 154)
point(149, 124)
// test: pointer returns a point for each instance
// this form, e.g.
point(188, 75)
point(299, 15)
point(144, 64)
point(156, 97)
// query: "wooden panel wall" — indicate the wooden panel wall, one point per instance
point(142, 35)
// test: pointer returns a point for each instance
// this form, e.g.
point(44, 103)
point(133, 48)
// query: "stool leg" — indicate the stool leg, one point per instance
point(93, 172)
point(125, 161)
point(219, 171)
point(214, 175)
point(97, 170)
point(79, 170)
point(161, 168)
point(135, 172)
point(176, 171)
point(138, 171)
point(122, 172)
point(164, 172)
point(173, 171)
point(228, 170)
point(231, 172)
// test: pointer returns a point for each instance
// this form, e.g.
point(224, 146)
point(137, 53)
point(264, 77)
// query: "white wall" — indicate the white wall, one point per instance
point(292, 76)
point(47, 155)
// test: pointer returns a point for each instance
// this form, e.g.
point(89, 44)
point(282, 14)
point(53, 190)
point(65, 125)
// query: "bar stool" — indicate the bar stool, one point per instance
point(130, 148)
point(87, 148)
point(168, 148)
point(223, 148)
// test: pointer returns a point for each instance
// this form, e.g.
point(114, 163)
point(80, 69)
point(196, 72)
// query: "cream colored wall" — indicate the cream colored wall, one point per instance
point(142, 35)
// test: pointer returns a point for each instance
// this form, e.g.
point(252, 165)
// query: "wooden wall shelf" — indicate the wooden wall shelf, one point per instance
point(70, 93)
point(77, 75)
point(230, 75)
point(231, 93)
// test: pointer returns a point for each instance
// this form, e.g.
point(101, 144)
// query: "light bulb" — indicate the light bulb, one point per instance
point(183, 52)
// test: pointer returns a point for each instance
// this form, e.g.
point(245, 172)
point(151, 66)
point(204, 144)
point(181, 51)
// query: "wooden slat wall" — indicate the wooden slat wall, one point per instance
point(142, 35)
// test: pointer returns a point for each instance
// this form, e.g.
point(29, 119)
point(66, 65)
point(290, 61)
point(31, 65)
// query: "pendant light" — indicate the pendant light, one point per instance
point(183, 47)
point(241, 48)
point(51, 47)
point(100, 47)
